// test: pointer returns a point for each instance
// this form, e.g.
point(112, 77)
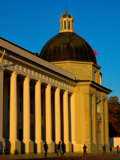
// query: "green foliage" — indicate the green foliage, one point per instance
point(114, 100)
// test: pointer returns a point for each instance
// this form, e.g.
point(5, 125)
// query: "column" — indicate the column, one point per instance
point(66, 123)
point(15, 144)
point(1, 105)
point(48, 119)
point(102, 122)
point(87, 121)
point(38, 124)
point(57, 116)
point(106, 123)
point(26, 116)
point(73, 119)
point(94, 121)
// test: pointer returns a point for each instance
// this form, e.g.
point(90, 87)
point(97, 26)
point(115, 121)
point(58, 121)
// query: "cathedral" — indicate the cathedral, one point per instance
point(55, 96)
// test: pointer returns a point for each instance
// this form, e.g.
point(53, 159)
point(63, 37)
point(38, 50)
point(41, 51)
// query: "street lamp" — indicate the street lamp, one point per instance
point(3, 53)
point(5, 66)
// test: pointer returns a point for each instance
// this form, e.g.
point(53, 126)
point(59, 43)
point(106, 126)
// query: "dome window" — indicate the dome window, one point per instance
point(64, 24)
point(68, 24)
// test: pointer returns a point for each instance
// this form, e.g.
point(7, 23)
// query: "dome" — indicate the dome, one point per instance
point(67, 46)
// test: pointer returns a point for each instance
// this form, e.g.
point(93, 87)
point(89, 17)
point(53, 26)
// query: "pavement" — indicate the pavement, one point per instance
point(67, 156)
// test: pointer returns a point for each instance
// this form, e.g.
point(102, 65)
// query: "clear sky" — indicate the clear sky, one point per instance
point(31, 23)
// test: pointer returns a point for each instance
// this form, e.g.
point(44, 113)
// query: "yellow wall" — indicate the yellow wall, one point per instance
point(81, 70)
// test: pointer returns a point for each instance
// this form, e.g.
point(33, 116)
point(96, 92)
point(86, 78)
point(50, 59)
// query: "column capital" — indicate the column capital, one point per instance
point(66, 92)
point(14, 73)
point(2, 68)
point(58, 89)
point(27, 78)
point(48, 86)
point(38, 81)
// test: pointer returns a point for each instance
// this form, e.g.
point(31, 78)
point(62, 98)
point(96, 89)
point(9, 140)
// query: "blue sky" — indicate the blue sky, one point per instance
point(31, 23)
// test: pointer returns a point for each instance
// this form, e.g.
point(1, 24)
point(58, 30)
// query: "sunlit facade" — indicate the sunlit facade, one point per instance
point(54, 97)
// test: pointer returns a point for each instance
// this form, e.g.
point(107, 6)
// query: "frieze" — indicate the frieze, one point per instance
point(38, 76)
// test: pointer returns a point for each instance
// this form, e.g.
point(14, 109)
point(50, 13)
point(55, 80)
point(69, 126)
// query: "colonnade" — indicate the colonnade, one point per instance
point(29, 145)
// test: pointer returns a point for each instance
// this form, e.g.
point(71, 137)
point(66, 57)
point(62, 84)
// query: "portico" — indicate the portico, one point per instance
point(11, 78)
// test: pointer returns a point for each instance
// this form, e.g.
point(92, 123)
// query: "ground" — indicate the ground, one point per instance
point(70, 156)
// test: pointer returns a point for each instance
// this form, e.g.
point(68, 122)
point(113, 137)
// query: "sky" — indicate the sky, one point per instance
point(31, 23)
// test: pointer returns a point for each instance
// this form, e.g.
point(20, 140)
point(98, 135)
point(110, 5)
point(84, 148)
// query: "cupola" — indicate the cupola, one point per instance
point(67, 45)
point(66, 23)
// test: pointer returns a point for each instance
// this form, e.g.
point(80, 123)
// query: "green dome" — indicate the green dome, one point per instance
point(67, 46)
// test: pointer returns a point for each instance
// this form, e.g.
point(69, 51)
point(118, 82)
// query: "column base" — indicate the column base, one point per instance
point(68, 146)
point(15, 147)
point(73, 148)
point(29, 147)
point(100, 148)
point(39, 147)
point(94, 148)
point(79, 148)
point(107, 148)
point(3, 143)
point(51, 147)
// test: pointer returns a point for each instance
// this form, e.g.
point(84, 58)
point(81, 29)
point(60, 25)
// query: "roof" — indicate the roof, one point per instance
point(14, 49)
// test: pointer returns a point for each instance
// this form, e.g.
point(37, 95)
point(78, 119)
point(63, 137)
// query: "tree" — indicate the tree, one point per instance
point(113, 100)
point(114, 116)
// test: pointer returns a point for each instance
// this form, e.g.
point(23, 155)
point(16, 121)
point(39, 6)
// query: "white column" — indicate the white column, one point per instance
point(13, 113)
point(106, 123)
point(1, 105)
point(73, 119)
point(13, 107)
point(26, 116)
point(57, 116)
point(48, 119)
point(48, 114)
point(38, 134)
point(65, 118)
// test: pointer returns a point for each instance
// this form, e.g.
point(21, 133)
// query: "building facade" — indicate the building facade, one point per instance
point(54, 97)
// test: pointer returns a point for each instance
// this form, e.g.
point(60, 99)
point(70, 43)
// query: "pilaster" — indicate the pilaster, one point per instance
point(88, 121)
point(106, 126)
point(102, 122)
point(72, 99)
point(94, 123)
